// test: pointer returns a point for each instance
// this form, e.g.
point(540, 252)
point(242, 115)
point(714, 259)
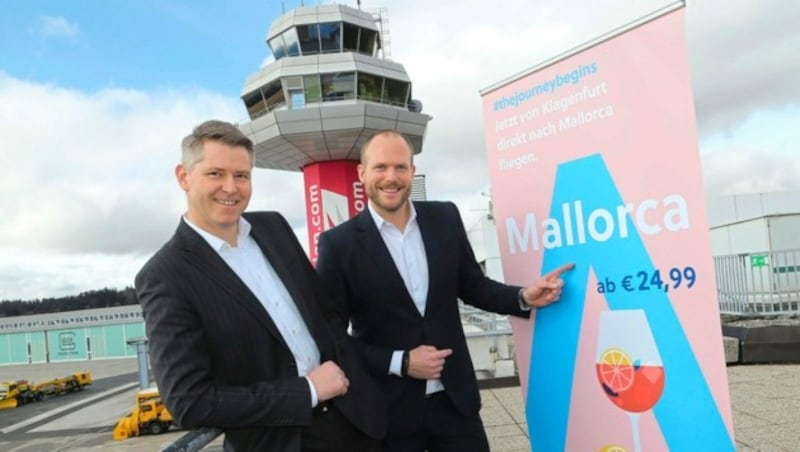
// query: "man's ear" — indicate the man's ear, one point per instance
point(361, 170)
point(181, 175)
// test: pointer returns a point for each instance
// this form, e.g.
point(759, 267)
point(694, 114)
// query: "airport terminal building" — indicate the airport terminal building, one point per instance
point(70, 336)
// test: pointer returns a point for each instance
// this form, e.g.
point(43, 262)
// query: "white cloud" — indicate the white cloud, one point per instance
point(57, 27)
point(89, 190)
point(27, 273)
point(90, 163)
point(760, 155)
point(745, 170)
point(744, 58)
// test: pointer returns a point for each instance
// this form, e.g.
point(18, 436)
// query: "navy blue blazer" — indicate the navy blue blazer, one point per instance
point(218, 358)
point(356, 265)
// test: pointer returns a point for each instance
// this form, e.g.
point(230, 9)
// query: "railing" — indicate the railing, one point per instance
point(489, 323)
point(759, 283)
point(193, 441)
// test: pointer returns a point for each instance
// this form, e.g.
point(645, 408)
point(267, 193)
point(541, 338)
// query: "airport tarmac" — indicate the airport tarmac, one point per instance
point(765, 401)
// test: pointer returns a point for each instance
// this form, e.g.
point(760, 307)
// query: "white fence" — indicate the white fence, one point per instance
point(759, 283)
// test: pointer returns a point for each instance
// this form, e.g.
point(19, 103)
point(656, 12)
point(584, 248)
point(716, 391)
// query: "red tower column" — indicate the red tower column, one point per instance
point(333, 194)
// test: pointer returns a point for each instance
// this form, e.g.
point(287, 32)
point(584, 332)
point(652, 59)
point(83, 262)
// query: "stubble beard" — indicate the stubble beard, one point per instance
point(375, 197)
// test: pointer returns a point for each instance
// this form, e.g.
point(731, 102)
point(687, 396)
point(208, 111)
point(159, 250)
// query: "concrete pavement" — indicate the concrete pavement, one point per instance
point(766, 407)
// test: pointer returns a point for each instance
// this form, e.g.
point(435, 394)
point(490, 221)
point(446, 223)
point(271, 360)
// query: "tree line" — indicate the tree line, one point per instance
point(92, 299)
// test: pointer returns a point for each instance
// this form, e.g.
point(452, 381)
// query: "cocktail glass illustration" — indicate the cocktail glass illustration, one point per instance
point(628, 365)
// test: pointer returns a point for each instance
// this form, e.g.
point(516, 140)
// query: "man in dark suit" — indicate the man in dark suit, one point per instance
point(399, 267)
point(240, 336)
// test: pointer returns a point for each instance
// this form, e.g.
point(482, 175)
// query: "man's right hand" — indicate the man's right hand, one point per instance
point(426, 362)
point(329, 381)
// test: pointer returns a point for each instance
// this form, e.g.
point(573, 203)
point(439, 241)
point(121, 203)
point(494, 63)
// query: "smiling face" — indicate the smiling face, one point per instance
point(387, 172)
point(218, 188)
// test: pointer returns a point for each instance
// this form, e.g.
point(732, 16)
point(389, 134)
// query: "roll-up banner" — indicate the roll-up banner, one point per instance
point(594, 160)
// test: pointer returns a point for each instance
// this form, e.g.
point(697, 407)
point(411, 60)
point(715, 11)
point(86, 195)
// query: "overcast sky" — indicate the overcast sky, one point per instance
point(96, 95)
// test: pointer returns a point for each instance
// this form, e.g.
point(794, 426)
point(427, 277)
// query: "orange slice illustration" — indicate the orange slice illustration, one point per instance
point(616, 370)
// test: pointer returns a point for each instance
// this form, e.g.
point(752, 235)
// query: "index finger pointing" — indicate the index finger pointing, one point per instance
point(560, 271)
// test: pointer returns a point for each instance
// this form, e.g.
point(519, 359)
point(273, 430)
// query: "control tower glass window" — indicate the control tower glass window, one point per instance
point(309, 39)
point(350, 38)
point(366, 43)
point(298, 99)
point(312, 88)
point(330, 36)
point(255, 103)
point(338, 86)
point(277, 46)
point(291, 41)
point(395, 92)
point(274, 95)
point(369, 87)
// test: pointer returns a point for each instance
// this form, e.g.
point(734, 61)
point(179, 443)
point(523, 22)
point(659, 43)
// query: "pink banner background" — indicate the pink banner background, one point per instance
point(648, 140)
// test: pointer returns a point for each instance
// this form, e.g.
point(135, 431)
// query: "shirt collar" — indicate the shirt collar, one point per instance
point(216, 243)
point(379, 221)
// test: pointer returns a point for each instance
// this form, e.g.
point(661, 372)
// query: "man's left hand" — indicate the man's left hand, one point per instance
point(548, 289)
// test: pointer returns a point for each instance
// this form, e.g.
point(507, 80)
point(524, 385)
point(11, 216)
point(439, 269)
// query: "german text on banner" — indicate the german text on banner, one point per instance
point(594, 160)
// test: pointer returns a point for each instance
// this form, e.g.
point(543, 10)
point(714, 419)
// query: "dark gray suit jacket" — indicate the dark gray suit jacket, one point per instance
point(219, 359)
point(354, 261)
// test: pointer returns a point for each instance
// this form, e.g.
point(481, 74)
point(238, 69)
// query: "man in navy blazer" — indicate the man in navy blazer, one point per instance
point(239, 327)
point(398, 269)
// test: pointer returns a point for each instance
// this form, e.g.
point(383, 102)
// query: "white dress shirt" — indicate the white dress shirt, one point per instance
point(255, 270)
point(408, 253)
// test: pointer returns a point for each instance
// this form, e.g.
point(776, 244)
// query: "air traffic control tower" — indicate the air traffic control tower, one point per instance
point(329, 88)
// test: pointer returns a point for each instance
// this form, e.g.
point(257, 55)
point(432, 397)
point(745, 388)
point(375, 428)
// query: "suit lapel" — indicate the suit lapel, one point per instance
point(199, 254)
point(372, 245)
point(430, 231)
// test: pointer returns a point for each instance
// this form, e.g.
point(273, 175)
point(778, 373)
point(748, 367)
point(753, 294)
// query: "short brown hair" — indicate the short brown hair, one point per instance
point(212, 130)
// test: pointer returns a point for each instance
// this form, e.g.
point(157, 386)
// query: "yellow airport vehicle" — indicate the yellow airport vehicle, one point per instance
point(150, 415)
point(56, 386)
point(20, 392)
point(15, 393)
